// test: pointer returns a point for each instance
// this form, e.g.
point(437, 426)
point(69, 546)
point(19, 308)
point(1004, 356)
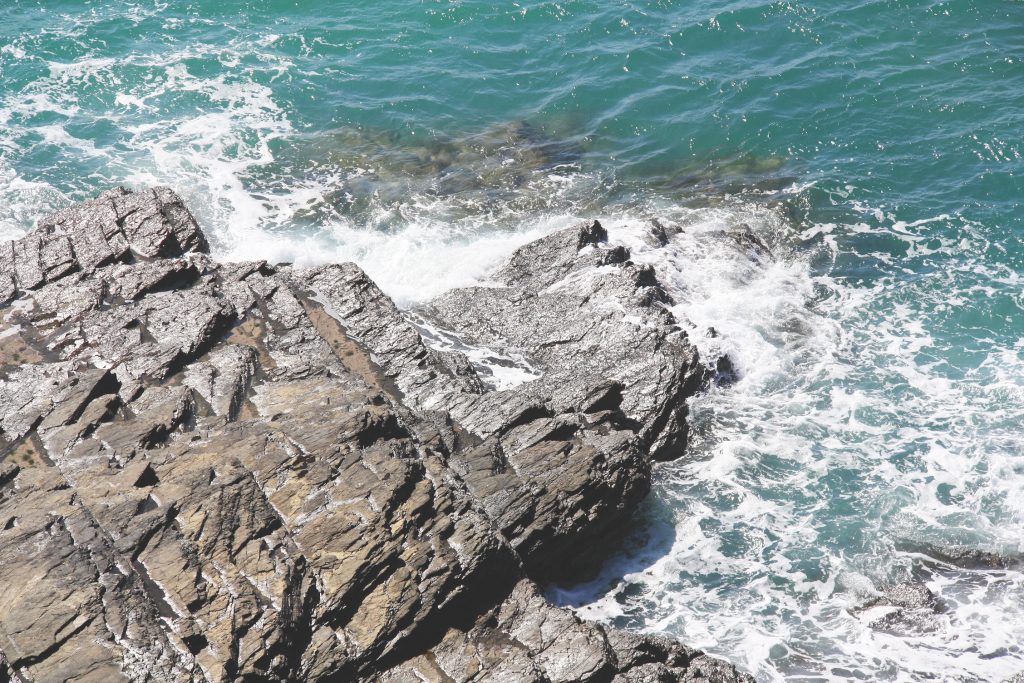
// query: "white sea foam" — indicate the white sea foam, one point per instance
point(204, 156)
point(24, 202)
point(844, 440)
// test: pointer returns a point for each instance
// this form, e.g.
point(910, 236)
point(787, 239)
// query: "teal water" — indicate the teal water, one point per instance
point(877, 424)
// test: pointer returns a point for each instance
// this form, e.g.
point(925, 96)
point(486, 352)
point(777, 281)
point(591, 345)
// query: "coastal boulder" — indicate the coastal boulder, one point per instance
point(228, 472)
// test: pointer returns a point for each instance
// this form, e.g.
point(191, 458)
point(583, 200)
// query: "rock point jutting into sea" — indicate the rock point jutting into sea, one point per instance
point(255, 472)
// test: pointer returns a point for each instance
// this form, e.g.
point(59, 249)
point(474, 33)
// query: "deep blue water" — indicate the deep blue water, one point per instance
point(875, 145)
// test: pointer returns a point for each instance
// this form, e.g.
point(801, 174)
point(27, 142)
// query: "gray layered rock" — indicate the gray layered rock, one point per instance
point(221, 472)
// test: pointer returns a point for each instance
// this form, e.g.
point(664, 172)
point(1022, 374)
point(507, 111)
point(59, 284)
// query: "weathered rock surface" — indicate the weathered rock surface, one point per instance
point(221, 472)
point(905, 608)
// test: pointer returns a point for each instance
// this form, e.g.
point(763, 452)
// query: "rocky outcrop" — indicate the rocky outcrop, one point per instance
point(221, 472)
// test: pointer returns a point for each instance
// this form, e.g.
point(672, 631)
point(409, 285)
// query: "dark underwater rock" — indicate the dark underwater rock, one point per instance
point(368, 168)
point(222, 472)
point(962, 556)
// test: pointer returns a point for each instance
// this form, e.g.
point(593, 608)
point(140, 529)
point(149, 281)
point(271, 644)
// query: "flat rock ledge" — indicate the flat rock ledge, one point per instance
point(249, 472)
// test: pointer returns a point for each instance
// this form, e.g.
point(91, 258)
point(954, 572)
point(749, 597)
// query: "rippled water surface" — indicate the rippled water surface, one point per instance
point(874, 437)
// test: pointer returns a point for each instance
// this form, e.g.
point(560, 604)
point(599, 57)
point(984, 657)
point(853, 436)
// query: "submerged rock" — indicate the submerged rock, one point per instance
point(962, 556)
point(220, 472)
point(370, 171)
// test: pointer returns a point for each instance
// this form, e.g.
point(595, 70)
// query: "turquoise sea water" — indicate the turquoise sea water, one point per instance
point(876, 146)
